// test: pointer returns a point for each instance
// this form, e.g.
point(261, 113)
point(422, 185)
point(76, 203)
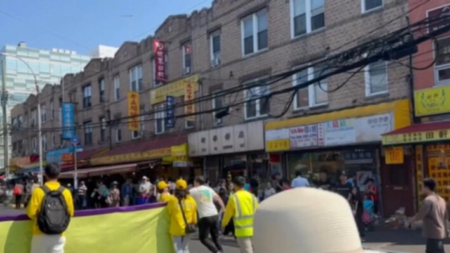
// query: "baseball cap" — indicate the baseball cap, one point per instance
point(162, 185)
point(181, 184)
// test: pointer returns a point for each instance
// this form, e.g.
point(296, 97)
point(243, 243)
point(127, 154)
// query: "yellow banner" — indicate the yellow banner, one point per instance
point(176, 89)
point(416, 137)
point(132, 157)
point(133, 111)
point(394, 155)
point(189, 94)
point(180, 150)
point(277, 145)
point(103, 231)
point(432, 101)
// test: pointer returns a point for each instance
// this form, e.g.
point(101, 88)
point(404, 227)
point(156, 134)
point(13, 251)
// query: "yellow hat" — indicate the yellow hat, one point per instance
point(162, 185)
point(181, 184)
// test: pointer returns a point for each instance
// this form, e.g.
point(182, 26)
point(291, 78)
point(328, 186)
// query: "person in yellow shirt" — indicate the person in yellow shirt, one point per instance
point(163, 190)
point(241, 207)
point(49, 240)
point(182, 211)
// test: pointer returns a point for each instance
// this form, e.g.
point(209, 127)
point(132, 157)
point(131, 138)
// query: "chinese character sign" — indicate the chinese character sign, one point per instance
point(68, 120)
point(160, 61)
point(189, 94)
point(133, 111)
point(394, 155)
point(170, 112)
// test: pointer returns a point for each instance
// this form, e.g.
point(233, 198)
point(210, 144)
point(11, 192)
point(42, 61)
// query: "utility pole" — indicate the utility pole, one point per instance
point(4, 101)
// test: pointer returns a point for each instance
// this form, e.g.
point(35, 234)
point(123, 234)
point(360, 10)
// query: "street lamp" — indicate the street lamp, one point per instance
point(41, 170)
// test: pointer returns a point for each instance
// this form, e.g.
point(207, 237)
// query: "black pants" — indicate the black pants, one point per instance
point(360, 224)
point(18, 201)
point(208, 225)
point(435, 246)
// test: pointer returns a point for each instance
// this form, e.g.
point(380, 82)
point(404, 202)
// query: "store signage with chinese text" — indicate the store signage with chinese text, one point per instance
point(67, 158)
point(170, 112)
point(68, 120)
point(303, 136)
point(61, 156)
point(277, 145)
point(130, 157)
point(180, 150)
point(176, 89)
point(160, 61)
point(338, 132)
point(432, 101)
point(394, 155)
point(189, 94)
point(405, 138)
point(133, 111)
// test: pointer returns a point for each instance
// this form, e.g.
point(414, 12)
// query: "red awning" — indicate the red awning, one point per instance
point(419, 133)
point(157, 143)
point(98, 171)
point(424, 127)
point(87, 154)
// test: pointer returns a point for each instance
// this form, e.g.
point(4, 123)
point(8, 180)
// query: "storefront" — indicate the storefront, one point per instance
point(231, 151)
point(347, 140)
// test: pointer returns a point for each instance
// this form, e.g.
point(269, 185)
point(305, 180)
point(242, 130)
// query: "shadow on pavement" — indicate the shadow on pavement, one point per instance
point(396, 236)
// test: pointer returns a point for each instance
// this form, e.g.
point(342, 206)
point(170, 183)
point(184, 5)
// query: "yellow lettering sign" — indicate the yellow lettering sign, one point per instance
point(405, 138)
point(432, 101)
point(277, 145)
point(394, 155)
point(176, 89)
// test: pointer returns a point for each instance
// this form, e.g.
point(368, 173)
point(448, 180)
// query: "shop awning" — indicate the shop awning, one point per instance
point(98, 171)
point(419, 133)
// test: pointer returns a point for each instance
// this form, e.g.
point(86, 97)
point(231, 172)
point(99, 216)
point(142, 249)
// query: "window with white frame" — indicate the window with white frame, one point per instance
point(52, 109)
point(189, 124)
point(217, 103)
point(116, 88)
point(370, 5)
point(101, 88)
point(118, 134)
point(442, 65)
point(43, 113)
point(187, 58)
point(254, 32)
point(307, 16)
point(214, 40)
point(256, 105)
point(87, 94)
point(375, 77)
point(312, 95)
point(160, 114)
point(87, 133)
point(136, 82)
point(166, 65)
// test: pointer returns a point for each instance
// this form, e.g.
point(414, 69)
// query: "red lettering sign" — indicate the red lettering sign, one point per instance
point(160, 60)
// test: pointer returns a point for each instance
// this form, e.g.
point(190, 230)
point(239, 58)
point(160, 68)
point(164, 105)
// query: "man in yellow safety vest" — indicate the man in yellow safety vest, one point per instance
point(241, 207)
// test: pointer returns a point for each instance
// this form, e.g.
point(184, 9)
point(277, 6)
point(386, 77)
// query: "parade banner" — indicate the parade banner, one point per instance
point(137, 229)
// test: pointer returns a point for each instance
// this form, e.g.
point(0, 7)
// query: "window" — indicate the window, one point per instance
point(136, 83)
point(312, 95)
point(116, 88)
point(87, 133)
point(43, 113)
point(52, 109)
point(44, 142)
point(118, 134)
point(154, 70)
point(442, 65)
point(254, 33)
point(216, 58)
point(102, 129)
point(187, 58)
point(307, 16)
point(137, 134)
point(256, 106)
point(376, 80)
point(34, 145)
point(217, 103)
point(160, 123)
point(101, 88)
point(87, 93)
point(33, 118)
point(53, 140)
point(189, 124)
point(370, 5)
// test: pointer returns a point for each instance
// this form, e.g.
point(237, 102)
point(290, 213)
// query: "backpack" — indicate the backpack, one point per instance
point(53, 218)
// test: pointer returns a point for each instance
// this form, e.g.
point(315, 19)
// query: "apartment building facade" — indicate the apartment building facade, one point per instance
point(231, 45)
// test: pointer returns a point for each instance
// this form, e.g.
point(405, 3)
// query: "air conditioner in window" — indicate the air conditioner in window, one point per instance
point(215, 62)
point(187, 71)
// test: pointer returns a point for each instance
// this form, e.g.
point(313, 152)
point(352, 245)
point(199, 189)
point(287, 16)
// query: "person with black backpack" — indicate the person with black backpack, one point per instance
point(50, 209)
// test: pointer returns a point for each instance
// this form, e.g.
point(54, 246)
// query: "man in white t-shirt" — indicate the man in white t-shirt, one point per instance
point(208, 216)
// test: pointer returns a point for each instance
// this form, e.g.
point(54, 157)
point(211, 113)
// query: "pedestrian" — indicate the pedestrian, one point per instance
point(183, 217)
point(144, 191)
point(356, 203)
point(205, 197)
point(276, 182)
point(324, 182)
point(434, 214)
point(103, 194)
point(50, 209)
point(18, 193)
point(81, 196)
point(163, 189)
point(127, 191)
point(241, 206)
point(372, 191)
point(113, 198)
point(343, 187)
point(268, 191)
point(299, 181)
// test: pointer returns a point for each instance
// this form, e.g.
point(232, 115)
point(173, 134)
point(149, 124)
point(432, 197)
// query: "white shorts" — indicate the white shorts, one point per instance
point(48, 244)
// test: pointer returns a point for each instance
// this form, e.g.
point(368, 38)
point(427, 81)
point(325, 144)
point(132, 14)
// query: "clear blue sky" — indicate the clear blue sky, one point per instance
point(81, 25)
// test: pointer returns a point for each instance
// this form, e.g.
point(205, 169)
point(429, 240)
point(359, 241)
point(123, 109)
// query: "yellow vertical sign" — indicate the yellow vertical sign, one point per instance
point(133, 111)
point(189, 94)
point(394, 155)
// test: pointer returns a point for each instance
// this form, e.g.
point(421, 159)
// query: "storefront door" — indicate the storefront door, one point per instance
point(397, 186)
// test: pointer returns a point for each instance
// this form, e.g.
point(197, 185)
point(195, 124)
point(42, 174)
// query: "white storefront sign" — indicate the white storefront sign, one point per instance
point(338, 132)
point(371, 128)
point(303, 136)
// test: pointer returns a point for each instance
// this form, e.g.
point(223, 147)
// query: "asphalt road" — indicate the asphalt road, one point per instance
point(380, 239)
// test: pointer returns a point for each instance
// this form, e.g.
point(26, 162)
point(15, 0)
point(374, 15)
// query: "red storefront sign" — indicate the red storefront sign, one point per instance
point(160, 60)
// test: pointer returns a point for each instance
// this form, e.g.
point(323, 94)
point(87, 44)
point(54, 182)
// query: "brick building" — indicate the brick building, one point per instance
point(230, 45)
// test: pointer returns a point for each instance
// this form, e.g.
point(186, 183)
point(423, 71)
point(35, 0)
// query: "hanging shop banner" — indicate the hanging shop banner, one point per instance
point(180, 150)
point(394, 155)
point(131, 157)
point(160, 61)
point(170, 112)
point(189, 94)
point(68, 120)
point(432, 101)
point(133, 111)
point(303, 136)
point(176, 89)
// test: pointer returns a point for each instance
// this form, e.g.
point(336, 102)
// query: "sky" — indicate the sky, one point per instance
point(81, 25)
